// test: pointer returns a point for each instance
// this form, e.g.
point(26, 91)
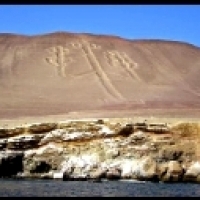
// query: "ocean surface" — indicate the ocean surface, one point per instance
point(54, 188)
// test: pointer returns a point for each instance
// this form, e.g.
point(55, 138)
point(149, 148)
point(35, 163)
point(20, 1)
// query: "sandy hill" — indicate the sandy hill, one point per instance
point(62, 73)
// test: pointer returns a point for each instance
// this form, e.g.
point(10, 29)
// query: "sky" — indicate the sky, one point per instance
point(168, 22)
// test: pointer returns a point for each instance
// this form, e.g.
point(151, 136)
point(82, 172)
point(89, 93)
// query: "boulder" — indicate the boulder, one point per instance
point(126, 169)
point(67, 174)
point(19, 175)
point(126, 131)
point(58, 175)
point(175, 171)
point(113, 174)
point(98, 174)
point(138, 135)
point(147, 170)
point(100, 121)
point(161, 170)
point(79, 174)
point(48, 175)
point(23, 175)
point(171, 171)
point(42, 128)
point(192, 173)
point(166, 178)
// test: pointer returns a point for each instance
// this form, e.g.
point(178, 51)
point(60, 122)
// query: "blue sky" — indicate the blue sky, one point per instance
point(171, 22)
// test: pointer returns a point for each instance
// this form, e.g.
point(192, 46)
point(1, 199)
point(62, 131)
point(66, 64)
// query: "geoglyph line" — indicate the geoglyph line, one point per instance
point(109, 55)
point(115, 58)
point(124, 58)
point(80, 75)
point(50, 60)
point(59, 60)
point(94, 63)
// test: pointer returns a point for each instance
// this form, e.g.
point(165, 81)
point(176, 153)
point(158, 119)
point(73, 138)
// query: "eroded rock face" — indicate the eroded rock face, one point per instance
point(95, 150)
point(23, 142)
point(43, 159)
point(162, 170)
point(11, 163)
point(147, 169)
point(4, 133)
point(42, 128)
point(192, 173)
point(169, 154)
point(173, 172)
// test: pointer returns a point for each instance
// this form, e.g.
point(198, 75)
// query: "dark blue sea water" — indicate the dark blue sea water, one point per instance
point(21, 188)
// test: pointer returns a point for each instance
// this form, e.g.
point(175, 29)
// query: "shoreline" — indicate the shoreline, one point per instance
point(94, 148)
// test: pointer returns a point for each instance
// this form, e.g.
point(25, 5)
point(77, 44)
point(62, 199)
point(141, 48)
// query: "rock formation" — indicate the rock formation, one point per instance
point(113, 150)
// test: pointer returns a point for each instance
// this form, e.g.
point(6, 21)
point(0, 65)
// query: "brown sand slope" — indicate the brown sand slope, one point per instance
point(61, 73)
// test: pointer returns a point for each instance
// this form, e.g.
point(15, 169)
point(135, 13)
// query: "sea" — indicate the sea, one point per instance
point(59, 188)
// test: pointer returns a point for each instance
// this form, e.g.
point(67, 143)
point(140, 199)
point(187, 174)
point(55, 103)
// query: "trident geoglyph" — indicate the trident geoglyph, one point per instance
point(59, 59)
point(86, 49)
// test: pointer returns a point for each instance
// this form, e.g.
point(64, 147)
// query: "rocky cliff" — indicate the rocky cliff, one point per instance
point(106, 148)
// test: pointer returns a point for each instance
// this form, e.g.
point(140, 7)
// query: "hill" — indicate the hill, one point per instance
point(62, 73)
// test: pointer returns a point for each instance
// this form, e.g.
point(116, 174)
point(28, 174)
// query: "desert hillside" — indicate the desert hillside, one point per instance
point(62, 73)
